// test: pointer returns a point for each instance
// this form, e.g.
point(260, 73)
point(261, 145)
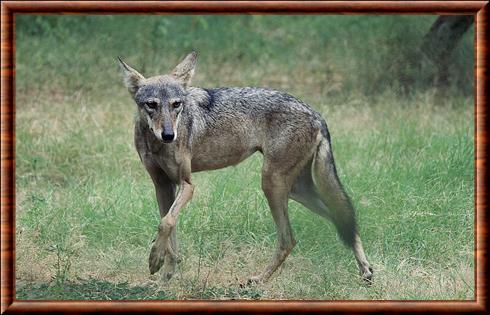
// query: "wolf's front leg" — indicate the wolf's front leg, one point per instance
point(163, 249)
point(165, 192)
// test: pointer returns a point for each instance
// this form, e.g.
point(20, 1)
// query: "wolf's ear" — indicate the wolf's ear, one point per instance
point(132, 78)
point(185, 69)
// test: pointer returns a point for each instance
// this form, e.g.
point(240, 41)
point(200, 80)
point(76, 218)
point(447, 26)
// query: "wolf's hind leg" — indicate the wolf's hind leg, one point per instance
point(276, 192)
point(304, 192)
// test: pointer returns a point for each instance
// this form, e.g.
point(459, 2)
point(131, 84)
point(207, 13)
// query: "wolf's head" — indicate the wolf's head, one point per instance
point(161, 99)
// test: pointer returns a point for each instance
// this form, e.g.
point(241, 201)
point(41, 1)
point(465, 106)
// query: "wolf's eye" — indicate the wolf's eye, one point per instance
point(176, 104)
point(151, 104)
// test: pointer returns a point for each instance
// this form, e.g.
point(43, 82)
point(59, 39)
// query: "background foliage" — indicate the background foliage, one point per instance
point(333, 55)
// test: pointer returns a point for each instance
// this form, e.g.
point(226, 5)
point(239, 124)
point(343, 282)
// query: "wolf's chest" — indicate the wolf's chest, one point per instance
point(166, 156)
point(170, 161)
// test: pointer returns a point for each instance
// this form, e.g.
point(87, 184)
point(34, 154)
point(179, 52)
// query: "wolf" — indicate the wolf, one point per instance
point(181, 129)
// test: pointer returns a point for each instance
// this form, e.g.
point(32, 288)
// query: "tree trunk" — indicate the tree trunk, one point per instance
point(439, 43)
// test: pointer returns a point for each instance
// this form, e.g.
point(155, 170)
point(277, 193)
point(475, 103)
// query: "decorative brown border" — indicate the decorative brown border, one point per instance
point(8, 10)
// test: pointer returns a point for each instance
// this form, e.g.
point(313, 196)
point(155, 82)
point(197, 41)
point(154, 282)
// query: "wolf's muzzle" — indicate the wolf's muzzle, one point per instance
point(167, 136)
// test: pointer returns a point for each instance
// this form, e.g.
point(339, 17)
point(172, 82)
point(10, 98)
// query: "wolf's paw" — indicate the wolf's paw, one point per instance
point(254, 280)
point(368, 276)
point(169, 268)
point(151, 282)
point(157, 258)
point(167, 276)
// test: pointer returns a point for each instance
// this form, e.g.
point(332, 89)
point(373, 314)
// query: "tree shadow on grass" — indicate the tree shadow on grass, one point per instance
point(95, 289)
point(87, 289)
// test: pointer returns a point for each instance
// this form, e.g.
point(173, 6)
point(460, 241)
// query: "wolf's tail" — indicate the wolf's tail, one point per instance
point(331, 192)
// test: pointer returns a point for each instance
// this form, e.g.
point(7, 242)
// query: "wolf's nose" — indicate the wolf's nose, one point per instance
point(167, 136)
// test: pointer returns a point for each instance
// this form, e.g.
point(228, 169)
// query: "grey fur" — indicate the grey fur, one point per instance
point(216, 128)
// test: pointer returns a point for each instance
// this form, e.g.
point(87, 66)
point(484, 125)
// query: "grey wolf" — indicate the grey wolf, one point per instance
point(181, 129)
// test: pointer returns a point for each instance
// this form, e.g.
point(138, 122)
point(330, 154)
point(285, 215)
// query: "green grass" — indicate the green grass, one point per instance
point(86, 208)
point(86, 212)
